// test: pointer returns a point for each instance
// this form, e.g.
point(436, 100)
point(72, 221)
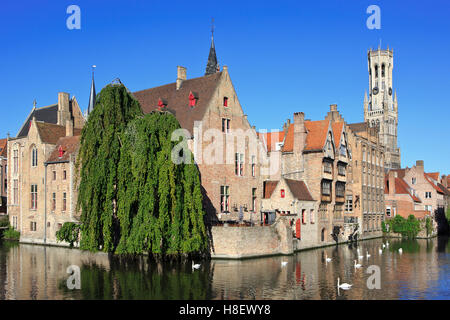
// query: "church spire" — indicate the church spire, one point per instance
point(92, 94)
point(212, 65)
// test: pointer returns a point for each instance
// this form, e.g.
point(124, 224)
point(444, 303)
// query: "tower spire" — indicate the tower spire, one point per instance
point(92, 93)
point(212, 64)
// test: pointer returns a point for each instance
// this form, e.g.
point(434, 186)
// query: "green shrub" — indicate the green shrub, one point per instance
point(11, 234)
point(429, 226)
point(383, 227)
point(69, 233)
point(4, 221)
point(406, 227)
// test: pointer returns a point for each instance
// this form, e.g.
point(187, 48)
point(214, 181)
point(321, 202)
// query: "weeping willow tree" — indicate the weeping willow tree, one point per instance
point(134, 199)
point(98, 159)
point(160, 202)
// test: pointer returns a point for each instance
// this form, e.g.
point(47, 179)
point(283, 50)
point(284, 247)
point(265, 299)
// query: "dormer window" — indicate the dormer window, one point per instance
point(192, 99)
point(225, 101)
point(60, 151)
point(161, 104)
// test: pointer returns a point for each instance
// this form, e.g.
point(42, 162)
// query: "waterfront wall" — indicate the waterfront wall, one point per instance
point(247, 242)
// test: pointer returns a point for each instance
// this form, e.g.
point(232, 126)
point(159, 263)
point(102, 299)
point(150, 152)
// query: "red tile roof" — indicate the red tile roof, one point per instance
point(289, 140)
point(337, 131)
point(50, 133)
point(3, 147)
point(178, 100)
point(427, 177)
point(401, 187)
point(271, 138)
point(316, 134)
point(70, 145)
point(268, 188)
point(433, 175)
point(299, 190)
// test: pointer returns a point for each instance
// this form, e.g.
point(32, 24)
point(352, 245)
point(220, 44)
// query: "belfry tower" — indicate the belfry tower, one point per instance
point(381, 108)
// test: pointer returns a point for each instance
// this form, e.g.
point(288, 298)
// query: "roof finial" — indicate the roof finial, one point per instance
point(212, 64)
point(92, 94)
point(34, 103)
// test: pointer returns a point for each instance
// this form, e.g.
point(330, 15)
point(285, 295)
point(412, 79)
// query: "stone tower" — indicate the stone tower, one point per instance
point(380, 108)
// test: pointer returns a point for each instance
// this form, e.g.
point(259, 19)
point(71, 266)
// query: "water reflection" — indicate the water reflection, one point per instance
point(422, 271)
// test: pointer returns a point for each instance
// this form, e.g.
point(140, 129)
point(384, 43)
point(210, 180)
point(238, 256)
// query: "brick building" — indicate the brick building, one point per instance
point(3, 175)
point(315, 152)
point(366, 172)
point(414, 191)
point(224, 144)
point(31, 186)
point(292, 199)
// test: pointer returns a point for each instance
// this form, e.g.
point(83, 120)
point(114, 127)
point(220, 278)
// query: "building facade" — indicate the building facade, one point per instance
point(28, 199)
point(315, 152)
point(366, 172)
point(224, 144)
point(3, 175)
point(381, 107)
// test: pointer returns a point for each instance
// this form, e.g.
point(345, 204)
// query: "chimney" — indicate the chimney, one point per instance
point(63, 108)
point(299, 132)
point(391, 181)
point(333, 107)
point(69, 128)
point(181, 76)
point(420, 166)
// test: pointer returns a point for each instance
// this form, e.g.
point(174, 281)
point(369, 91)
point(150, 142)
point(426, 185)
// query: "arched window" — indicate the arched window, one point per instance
point(382, 70)
point(34, 156)
point(376, 71)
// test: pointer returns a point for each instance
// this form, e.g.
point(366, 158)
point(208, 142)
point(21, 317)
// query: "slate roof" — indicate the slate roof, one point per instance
point(47, 114)
point(358, 127)
point(178, 100)
point(69, 145)
point(3, 147)
point(299, 190)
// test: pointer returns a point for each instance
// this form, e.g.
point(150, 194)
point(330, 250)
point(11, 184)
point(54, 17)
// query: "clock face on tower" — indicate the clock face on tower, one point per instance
point(390, 91)
point(375, 90)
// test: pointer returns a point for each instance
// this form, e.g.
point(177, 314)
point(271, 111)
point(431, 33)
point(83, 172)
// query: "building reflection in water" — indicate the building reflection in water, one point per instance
point(37, 272)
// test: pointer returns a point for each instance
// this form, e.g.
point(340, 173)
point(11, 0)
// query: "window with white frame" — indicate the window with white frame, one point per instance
point(224, 198)
point(349, 203)
point(239, 164)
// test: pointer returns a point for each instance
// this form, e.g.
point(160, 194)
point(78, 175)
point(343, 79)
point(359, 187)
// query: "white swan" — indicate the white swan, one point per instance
point(380, 251)
point(326, 258)
point(400, 250)
point(344, 286)
point(195, 266)
point(384, 245)
point(357, 265)
point(360, 257)
point(367, 254)
point(387, 244)
point(284, 263)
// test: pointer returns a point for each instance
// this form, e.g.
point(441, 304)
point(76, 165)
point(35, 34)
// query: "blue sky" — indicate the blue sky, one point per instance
point(283, 57)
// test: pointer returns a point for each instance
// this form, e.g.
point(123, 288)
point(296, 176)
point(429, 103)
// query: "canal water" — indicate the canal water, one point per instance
point(421, 271)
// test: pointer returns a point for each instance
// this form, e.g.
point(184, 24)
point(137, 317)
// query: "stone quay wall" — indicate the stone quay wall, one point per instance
point(248, 242)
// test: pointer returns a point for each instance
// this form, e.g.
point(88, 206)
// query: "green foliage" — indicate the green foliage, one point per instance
point(4, 221)
point(11, 234)
point(406, 227)
point(133, 198)
point(428, 226)
point(383, 226)
point(97, 162)
point(69, 232)
point(160, 203)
